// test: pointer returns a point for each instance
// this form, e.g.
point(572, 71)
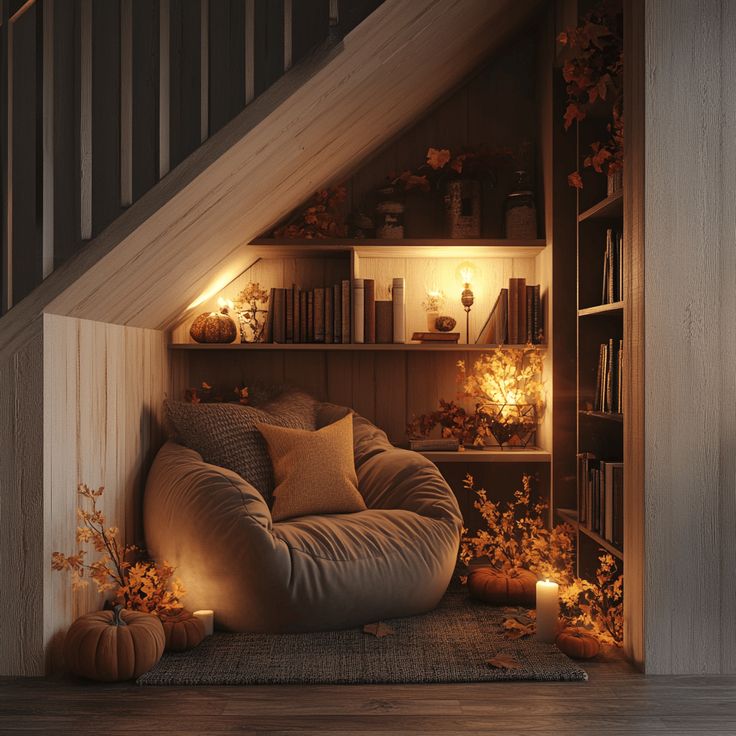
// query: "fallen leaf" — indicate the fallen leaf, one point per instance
point(379, 630)
point(504, 662)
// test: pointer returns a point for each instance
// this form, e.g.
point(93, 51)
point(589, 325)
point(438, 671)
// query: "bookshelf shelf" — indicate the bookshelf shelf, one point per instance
point(491, 455)
point(610, 207)
point(377, 347)
point(407, 248)
point(571, 517)
point(607, 415)
point(612, 308)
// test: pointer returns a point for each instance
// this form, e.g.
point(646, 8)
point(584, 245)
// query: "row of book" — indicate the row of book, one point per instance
point(347, 312)
point(601, 497)
point(613, 272)
point(516, 317)
point(609, 383)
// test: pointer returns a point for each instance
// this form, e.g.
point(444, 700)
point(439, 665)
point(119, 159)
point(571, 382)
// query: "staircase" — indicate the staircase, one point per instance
point(102, 99)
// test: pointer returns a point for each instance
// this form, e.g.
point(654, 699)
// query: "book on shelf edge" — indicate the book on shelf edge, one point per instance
point(521, 328)
point(296, 299)
point(329, 319)
point(337, 313)
point(310, 315)
point(269, 315)
point(369, 310)
point(279, 316)
point(399, 309)
point(345, 309)
point(384, 322)
point(427, 337)
point(513, 313)
point(434, 445)
point(303, 332)
point(493, 331)
point(289, 315)
point(357, 297)
point(319, 314)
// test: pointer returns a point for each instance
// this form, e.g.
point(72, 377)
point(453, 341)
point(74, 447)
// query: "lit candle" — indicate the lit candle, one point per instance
point(548, 610)
point(208, 619)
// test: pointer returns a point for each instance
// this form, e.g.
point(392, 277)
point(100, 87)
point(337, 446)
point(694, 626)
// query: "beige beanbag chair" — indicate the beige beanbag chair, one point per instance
point(315, 572)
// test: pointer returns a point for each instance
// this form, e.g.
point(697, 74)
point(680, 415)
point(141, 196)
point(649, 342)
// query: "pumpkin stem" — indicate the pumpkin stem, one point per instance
point(117, 619)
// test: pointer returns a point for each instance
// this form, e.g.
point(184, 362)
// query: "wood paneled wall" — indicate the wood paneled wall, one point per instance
point(687, 350)
point(101, 99)
point(103, 391)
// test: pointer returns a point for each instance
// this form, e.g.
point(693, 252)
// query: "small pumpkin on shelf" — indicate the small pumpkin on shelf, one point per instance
point(112, 646)
point(214, 327)
point(182, 630)
point(514, 587)
point(577, 643)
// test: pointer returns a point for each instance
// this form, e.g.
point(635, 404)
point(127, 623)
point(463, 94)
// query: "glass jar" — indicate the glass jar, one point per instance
point(389, 215)
point(521, 212)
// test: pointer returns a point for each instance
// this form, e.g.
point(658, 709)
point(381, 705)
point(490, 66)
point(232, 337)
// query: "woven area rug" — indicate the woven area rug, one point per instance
point(453, 643)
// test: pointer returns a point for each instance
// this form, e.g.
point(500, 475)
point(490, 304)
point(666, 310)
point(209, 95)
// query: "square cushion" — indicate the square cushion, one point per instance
point(314, 471)
point(226, 434)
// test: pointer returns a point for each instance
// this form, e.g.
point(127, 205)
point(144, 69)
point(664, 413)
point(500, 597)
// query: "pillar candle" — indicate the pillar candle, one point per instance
point(208, 619)
point(548, 610)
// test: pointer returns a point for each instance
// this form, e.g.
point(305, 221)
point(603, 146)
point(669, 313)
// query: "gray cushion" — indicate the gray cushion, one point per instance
point(226, 434)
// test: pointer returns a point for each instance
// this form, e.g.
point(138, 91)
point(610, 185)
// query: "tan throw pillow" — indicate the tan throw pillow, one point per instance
point(314, 471)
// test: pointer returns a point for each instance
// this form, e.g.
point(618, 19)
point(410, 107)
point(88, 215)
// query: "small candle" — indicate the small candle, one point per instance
point(208, 619)
point(548, 610)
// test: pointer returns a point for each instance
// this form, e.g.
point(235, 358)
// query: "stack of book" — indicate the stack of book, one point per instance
point(342, 313)
point(516, 317)
point(601, 497)
point(613, 280)
point(609, 383)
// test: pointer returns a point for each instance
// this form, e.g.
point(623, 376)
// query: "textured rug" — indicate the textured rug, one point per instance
point(453, 643)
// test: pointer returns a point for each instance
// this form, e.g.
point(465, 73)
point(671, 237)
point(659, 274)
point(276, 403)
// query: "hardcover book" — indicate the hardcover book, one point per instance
point(358, 305)
point(369, 330)
point(346, 316)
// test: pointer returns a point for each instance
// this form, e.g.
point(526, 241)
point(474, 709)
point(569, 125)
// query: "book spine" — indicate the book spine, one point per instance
point(502, 334)
point(608, 496)
point(529, 331)
point(269, 316)
point(369, 287)
point(521, 330)
point(279, 316)
point(619, 374)
point(513, 320)
point(310, 315)
point(399, 309)
point(329, 319)
point(345, 312)
point(610, 375)
point(384, 322)
point(599, 379)
point(296, 297)
point(618, 504)
point(537, 335)
point(319, 314)
point(612, 270)
point(289, 299)
point(358, 300)
point(604, 292)
point(303, 316)
point(337, 313)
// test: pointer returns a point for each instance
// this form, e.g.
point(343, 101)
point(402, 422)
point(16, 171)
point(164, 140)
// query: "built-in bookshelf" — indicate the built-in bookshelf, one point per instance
point(598, 515)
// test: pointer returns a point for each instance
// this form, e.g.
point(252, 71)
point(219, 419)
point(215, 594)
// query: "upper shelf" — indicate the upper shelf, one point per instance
point(611, 206)
point(491, 455)
point(406, 346)
point(407, 248)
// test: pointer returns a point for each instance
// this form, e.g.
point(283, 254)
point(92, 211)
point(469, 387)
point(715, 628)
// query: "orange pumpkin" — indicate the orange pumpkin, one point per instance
point(111, 646)
point(577, 643)
point(213, 327)
point(503, 587)
point(182, 631)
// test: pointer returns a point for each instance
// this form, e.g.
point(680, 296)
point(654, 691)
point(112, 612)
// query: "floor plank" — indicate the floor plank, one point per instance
point(615, 701)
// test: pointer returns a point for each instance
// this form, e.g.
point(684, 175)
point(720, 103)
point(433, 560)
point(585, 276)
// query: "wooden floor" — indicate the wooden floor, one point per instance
point(615, 701)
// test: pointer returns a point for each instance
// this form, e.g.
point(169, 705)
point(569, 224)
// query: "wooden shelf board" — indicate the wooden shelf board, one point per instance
point(378, 347)
point(611, 206)
point(491, 455)
point(608, 415)
point(407, 248)
point(571, 517)
point(613, 308)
